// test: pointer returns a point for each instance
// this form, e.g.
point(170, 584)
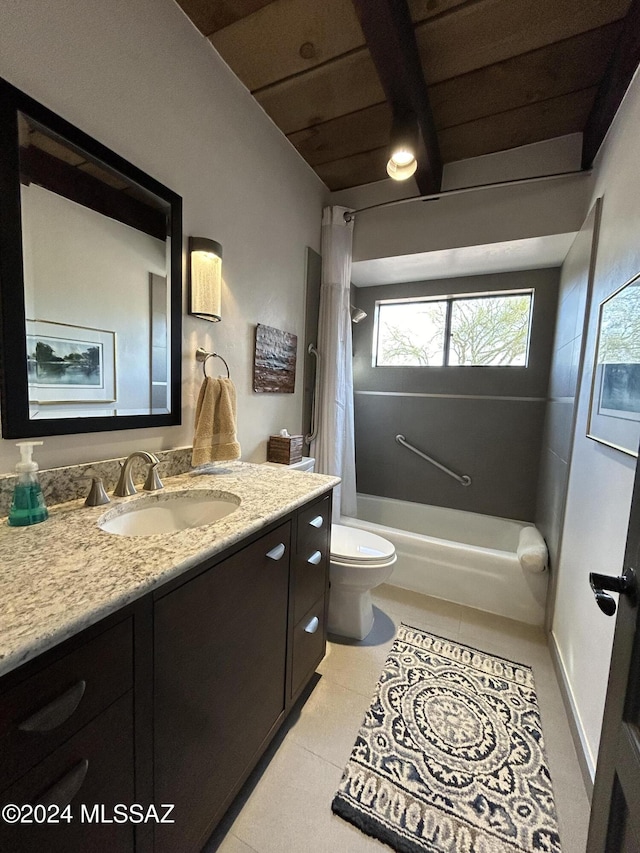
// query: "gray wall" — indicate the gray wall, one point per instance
point(483, 421)
point(566, 368)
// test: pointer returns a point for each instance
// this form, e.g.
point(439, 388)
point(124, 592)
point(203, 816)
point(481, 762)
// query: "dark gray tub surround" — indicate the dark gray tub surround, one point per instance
point(486, 422)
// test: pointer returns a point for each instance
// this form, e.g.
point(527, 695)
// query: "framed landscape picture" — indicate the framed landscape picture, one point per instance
point(614, 412)
point(70, 364)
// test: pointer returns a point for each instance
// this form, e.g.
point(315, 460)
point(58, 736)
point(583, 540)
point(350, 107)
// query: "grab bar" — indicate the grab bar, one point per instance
point(463, 479)
point(314, 406)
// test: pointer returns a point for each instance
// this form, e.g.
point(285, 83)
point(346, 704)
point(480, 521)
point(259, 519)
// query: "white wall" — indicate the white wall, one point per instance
point(143, 81)
point(600, 479)
point(481, 217)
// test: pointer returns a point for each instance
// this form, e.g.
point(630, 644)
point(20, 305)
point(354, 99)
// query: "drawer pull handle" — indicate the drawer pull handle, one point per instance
point(55, 713)
point(317, 521)
point(312, 627)
point(64, 790)
point(315, 558)
point(276, 553)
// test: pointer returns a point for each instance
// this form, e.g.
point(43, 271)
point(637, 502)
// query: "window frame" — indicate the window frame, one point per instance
point(448, 301)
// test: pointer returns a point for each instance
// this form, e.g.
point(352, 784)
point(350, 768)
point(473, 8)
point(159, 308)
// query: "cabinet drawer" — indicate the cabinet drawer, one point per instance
point(94, 767)
point(314, 523)
point(309, 637)
point(311, 562)
point(47, 708)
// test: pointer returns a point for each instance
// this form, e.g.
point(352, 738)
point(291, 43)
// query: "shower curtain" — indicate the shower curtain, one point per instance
point(334, 448)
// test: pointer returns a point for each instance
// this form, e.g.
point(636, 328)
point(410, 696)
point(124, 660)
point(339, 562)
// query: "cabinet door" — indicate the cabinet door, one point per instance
point(91, 773)
point(219, 684)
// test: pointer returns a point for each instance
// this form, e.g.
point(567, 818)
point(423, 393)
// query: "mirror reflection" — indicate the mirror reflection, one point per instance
point(96, 262)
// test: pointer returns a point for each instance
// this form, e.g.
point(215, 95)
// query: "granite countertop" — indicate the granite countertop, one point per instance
point(65, 574)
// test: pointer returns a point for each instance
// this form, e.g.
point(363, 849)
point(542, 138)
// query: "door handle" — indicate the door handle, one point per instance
point(625, 584)
point(277, 553)
point(317, 521)
point(55, 713)
point(315, 558)
point(64, 790)
point(312, 627)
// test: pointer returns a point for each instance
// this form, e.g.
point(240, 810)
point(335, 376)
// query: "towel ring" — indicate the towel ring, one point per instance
point(202, 355)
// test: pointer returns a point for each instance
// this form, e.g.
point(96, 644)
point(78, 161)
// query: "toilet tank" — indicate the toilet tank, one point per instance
point(307, 463)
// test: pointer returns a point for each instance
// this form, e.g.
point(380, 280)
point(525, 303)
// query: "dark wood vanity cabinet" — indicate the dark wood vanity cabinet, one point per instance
point(170, 701)
point(220, 662)
point(233, 649)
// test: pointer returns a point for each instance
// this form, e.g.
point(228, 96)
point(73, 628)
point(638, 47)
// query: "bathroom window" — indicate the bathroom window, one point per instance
point(487, 329)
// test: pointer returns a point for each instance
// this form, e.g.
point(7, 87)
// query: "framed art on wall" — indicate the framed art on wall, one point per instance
point(70, 364)
point(274, 361)
point(614, 411)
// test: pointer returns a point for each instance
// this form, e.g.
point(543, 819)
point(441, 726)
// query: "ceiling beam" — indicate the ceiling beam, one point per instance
point(390, 37)
point(39, 167)
point(622, 66)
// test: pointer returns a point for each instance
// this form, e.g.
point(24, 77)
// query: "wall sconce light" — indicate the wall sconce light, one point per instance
point(205, 278)
point(404, 145)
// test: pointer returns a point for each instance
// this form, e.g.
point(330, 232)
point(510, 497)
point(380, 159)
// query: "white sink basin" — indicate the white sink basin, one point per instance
point(168, 512)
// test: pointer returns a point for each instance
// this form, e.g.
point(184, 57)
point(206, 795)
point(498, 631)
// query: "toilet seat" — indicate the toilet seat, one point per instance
point(352, 546)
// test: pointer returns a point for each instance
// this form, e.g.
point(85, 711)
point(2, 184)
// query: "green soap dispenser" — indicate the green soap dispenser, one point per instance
point(27, 506)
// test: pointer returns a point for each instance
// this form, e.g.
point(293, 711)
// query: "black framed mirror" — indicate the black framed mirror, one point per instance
point(90, 282)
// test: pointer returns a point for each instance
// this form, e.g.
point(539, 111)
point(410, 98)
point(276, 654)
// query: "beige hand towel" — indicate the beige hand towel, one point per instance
point(215, 428)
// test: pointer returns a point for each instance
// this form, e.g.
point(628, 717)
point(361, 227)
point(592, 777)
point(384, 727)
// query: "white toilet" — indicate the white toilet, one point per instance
point(359, 562)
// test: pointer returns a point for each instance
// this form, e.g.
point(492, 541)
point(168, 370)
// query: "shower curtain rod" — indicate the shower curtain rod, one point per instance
point(349, 215)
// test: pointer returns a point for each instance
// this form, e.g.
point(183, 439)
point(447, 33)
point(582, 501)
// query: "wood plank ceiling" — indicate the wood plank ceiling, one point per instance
point(499, 73)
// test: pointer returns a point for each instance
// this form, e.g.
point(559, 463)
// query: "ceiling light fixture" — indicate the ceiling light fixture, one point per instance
point(404, 144)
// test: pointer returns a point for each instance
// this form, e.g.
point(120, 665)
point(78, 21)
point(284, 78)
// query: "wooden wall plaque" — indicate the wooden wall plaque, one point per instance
point(274, 361)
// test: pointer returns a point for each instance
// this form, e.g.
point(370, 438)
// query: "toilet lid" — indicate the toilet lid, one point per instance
point(354, 545)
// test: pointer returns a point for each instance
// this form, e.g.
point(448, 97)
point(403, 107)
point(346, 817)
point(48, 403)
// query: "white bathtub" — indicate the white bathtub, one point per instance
point(460, 556)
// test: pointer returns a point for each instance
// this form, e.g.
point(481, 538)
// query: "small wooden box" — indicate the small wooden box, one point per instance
point(286, 451)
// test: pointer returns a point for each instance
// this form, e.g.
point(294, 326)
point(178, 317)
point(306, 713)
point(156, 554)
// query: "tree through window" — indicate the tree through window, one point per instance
point(491, 329)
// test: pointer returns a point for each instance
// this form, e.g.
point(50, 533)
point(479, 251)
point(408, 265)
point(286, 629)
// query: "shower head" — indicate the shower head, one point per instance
point(357, 314)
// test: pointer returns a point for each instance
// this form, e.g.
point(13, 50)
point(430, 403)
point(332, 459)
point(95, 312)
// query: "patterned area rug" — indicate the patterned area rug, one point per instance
point(450, 756)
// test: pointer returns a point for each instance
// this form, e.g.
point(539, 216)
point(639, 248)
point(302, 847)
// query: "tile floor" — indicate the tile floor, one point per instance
point(285, 806)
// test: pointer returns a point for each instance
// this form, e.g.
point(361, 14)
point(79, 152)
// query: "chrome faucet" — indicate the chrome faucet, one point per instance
point(125, 484)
